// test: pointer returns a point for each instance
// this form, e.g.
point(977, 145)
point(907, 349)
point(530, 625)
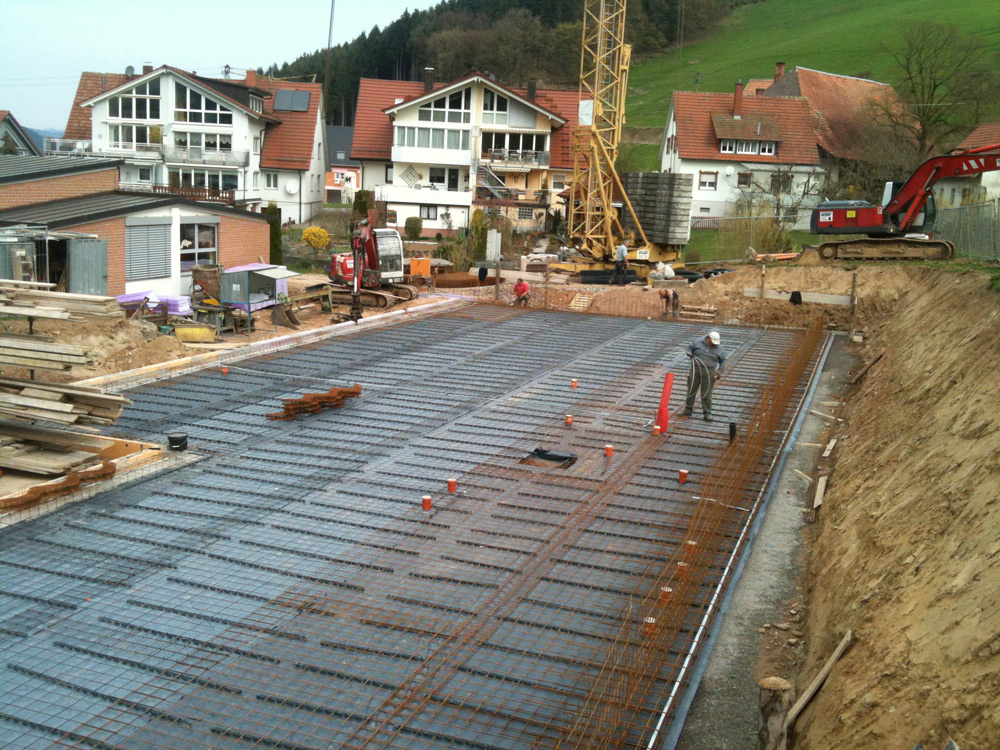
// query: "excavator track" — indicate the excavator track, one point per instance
point(369, 297)
point(405, 292)
point(889, 248)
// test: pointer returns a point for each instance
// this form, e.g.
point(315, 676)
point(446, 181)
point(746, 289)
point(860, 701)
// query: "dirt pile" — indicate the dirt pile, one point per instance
point(906, 551)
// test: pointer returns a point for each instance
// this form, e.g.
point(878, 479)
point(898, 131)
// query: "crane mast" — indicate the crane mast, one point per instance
point(604, 66)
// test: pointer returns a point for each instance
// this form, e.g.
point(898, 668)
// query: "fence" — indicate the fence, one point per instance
point(975, 230)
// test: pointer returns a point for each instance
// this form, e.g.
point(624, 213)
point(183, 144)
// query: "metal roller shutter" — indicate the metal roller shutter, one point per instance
point(147, 252)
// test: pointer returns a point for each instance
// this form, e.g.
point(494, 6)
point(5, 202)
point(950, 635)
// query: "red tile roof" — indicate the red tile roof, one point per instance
point(289, 143)
point(373, 128)
point(3, 114)
point(986, 134)
point(91, 85)
point(841, 106)
point(697, 139)
point(757, 84)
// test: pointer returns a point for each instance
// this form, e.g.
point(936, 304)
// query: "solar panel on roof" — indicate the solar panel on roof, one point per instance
point(287, 100)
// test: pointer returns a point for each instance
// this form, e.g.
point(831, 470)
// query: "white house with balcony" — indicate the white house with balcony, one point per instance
point(242, 142)
point(439, 151)
point(743, 150)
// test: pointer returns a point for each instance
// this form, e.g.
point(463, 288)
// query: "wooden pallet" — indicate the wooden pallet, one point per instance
point(581, 302)
point(692, 312)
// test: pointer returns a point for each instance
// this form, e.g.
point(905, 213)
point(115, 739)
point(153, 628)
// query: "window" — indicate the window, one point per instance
point(727, 147)
point(147, 252)
point(190, 106)
point(341, 156)
point(256, 145)
point(428, 212)
point(198, 245)
point(256, 103)
point(388, 173)
point(145, 174)
point(437, 138)
point(707, 180)
point(131, 137)
point(494, 108)
point(141, 103)
point(213, 179)
point(781, 183)
point(455, 107)
point(558, 182)
point(767, 148)
point(525, 213)
point(438, 175)
point(271, 180)
point(743, 179)
point(705, 210)
point(746, 147)
point(423, 137)
point(256, 180)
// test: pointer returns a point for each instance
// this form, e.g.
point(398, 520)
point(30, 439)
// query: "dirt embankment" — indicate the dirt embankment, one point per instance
point(906, 550)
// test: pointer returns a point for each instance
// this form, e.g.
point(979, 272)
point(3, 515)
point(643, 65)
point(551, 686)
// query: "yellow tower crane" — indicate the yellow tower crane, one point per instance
point(594, 224)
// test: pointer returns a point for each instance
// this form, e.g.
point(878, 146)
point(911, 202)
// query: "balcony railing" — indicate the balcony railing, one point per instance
point(211, 195)
point(503, 157)
point(67, 147)
point(180, 155)
point(499, 196)
point(72, 147)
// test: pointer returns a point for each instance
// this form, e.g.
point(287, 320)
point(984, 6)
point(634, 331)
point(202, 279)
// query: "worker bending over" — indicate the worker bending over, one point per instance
point(671, 302)
point(707, 363)
point(522, 293)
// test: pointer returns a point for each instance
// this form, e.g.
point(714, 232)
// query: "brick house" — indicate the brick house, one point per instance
point(110, 241)
point(438, 151)
point(241, 142)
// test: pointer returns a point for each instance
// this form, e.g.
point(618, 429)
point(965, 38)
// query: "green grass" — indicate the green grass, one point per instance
point(836, 36)
point(714, 245)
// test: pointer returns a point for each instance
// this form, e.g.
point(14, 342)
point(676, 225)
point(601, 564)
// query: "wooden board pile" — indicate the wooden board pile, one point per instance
point(30, 300)
point(59, 403)
point(45, 451)
point(39, 352)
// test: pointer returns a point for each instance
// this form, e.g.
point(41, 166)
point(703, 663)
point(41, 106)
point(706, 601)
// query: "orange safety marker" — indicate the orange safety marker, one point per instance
point(572, 383)
point(656, 429)
point(609, 450)
point(569, 419)
point(682, 570)
point(225, 370)
point(452, 484)
point(427, 502)
point(690, 547)
point(682, 475)
point(666, 594)
point(649, 627)
point(663, 413)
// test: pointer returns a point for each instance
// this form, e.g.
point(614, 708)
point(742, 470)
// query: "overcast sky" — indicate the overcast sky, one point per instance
point(46, 44)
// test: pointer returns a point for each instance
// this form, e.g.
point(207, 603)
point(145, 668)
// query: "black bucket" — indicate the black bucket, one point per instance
point(177, 441)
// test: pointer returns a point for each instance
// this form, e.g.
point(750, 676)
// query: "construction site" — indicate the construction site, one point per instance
point(463, 515)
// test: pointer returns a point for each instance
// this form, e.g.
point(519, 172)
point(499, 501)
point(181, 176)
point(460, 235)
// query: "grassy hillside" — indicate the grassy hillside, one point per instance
point(837, 36)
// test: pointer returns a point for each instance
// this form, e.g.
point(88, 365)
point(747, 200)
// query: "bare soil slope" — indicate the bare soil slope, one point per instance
point(907, 549)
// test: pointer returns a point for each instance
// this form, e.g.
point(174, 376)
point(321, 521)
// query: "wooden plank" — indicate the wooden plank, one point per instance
point(77, 359)
point(823, 414)
point(36, 403)
point(39, 393)
point(60, 387)
point(27, 284)
point(102, 299)
point(856, 378)
point(22, 412)
point(810, 297)
point(48, 436)
point(803, 475)
point(829, 448)
point(47, 462)
point(28, 337)
point(32, 312)
point(820, 492)
point(817, 683)
point(33, 364)
point(38, 346)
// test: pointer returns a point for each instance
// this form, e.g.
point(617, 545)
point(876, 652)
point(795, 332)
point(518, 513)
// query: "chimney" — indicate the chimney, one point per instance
point(738, 101)
point(147, 68)
point(779, 71)
point(428, 80)
point(251, 78)
point(532, 90)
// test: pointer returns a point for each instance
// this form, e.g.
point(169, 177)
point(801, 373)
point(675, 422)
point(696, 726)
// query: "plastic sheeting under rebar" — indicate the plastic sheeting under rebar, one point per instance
point(289, 591)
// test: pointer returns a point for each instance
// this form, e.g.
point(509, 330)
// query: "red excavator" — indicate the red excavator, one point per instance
point(908, 210)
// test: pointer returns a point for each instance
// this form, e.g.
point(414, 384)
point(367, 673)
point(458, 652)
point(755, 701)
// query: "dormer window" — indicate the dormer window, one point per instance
point(190, 106)
point(256, 103)
point(456, 107)
point(727, 146)
point(746, 147)
point(767, 148)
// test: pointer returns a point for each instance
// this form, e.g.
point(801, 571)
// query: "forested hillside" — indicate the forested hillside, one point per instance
point(515, 40)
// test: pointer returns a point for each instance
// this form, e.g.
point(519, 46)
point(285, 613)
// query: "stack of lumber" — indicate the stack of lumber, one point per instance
point(59, 403)
point(46, 451)
point(39, 352)
point(30, 301)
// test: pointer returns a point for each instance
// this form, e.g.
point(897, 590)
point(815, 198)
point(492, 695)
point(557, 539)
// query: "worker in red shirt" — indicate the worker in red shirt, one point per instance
point(522, 293)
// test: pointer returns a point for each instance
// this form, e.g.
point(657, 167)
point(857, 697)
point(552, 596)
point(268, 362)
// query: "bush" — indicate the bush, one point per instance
point(456, 252)
point(439, 237)
point(363, 200)
point(413, 228)
point(317, 238)
point(277, 246)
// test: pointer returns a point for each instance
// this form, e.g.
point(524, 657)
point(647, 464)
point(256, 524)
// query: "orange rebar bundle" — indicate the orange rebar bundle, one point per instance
point(314, 403)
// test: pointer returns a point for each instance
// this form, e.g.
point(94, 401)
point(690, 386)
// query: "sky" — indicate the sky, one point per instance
point(46, 44)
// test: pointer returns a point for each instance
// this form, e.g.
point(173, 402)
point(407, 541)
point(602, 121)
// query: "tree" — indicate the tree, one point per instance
point(277, 245)
point(363, 201)
point(945, 81)
point(9, 147)
point(413, 228)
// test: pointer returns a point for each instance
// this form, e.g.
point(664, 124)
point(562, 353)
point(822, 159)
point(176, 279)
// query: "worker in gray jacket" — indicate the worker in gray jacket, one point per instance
point(708, 361)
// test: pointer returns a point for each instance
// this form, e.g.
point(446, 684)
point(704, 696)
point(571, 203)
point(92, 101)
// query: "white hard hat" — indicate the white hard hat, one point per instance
point(714, 337)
